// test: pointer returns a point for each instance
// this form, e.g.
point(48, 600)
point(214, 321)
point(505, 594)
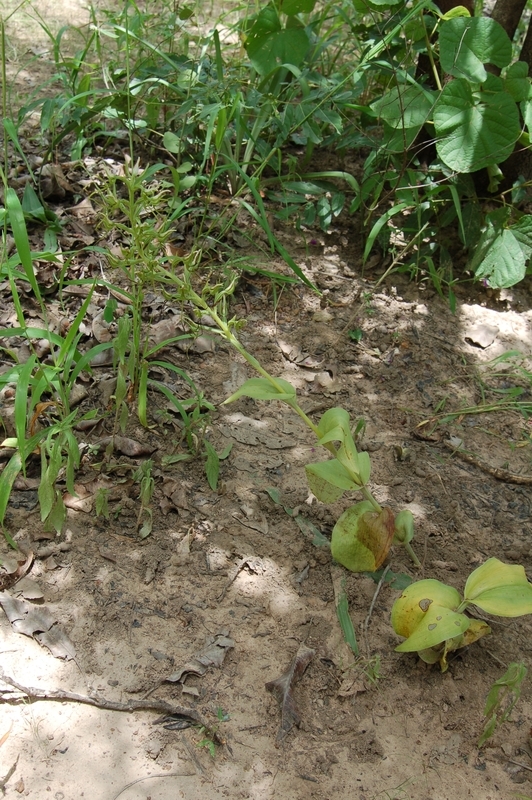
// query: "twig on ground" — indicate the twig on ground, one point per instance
point(10, 772)
point(100, 702)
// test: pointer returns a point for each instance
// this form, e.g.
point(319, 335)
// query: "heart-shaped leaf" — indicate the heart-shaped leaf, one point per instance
point(474, 129)
point(467, 43)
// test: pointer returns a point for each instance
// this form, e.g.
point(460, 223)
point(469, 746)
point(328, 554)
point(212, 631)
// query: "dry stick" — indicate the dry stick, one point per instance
point(101, 702)
point(7, 777)
point(517, 764)
point(495, 472)
point(372, 606)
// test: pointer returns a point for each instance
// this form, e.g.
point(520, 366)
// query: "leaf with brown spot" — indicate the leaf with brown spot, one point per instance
point(282, 690)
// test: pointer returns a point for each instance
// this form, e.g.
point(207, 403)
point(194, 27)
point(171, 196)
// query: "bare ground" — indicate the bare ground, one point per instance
point(235, 565)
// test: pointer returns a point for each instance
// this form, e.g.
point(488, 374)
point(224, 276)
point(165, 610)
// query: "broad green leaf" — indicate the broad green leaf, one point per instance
point(522, 230)
point(332, 419)
point(504, 263)
point(467, 43)
point(474, 129)
point(436, 625)
point(405, 106)
point(500, 589)
point(263, 389)
point(517, 82)
point(328, 480)
point(269, 45)
point(409, 609)
point(172, 142)
point(362, 537)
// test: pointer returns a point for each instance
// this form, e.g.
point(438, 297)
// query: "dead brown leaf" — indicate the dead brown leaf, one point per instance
point(39, 624)
point(282, 690)
point(212, 655)
point(13, 569)
point(126, 446)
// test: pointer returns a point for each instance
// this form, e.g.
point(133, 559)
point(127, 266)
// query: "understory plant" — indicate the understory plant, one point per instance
point(363, 535)
point(430, 614)
point(452, 105)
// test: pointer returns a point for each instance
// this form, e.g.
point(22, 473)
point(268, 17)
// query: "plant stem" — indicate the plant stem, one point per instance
point(415, 559)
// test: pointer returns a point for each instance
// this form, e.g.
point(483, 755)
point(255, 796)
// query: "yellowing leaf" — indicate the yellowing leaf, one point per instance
point(506, 601)
point(362, 537)
point(500, 589)
point(409, 609)
point(437, 625)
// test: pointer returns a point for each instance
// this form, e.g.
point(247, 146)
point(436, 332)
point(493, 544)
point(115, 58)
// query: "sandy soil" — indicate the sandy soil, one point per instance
point(234, 570)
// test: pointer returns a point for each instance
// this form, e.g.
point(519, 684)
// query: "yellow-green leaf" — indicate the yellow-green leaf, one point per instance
point(263, 389)
point(328, 480)
point(409, 609)
point(491, 575)
point(500, 589)
point(436, 625)
point(506, 601)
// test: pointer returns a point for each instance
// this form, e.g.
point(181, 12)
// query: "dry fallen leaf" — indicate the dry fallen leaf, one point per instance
point(13, 568)
point(212, 655)
point(38, 623)
point(282, 690)
point(126, 446)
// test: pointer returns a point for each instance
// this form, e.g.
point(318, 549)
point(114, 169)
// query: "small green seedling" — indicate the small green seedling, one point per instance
point(431, 616)
point(502, 698)
point(211, 736)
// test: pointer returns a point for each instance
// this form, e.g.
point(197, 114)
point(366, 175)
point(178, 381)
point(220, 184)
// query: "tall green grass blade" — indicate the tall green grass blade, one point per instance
point(21, 401)
point(7, 479)
point(379, 225)
point(346, 624)
point(20, 233)
point(142, 402)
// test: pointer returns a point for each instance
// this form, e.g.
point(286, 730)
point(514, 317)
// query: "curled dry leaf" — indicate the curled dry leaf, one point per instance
point(13, 568)
point(282, 690)
point(212, 655)
point(127, 446)
point(38, 623)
